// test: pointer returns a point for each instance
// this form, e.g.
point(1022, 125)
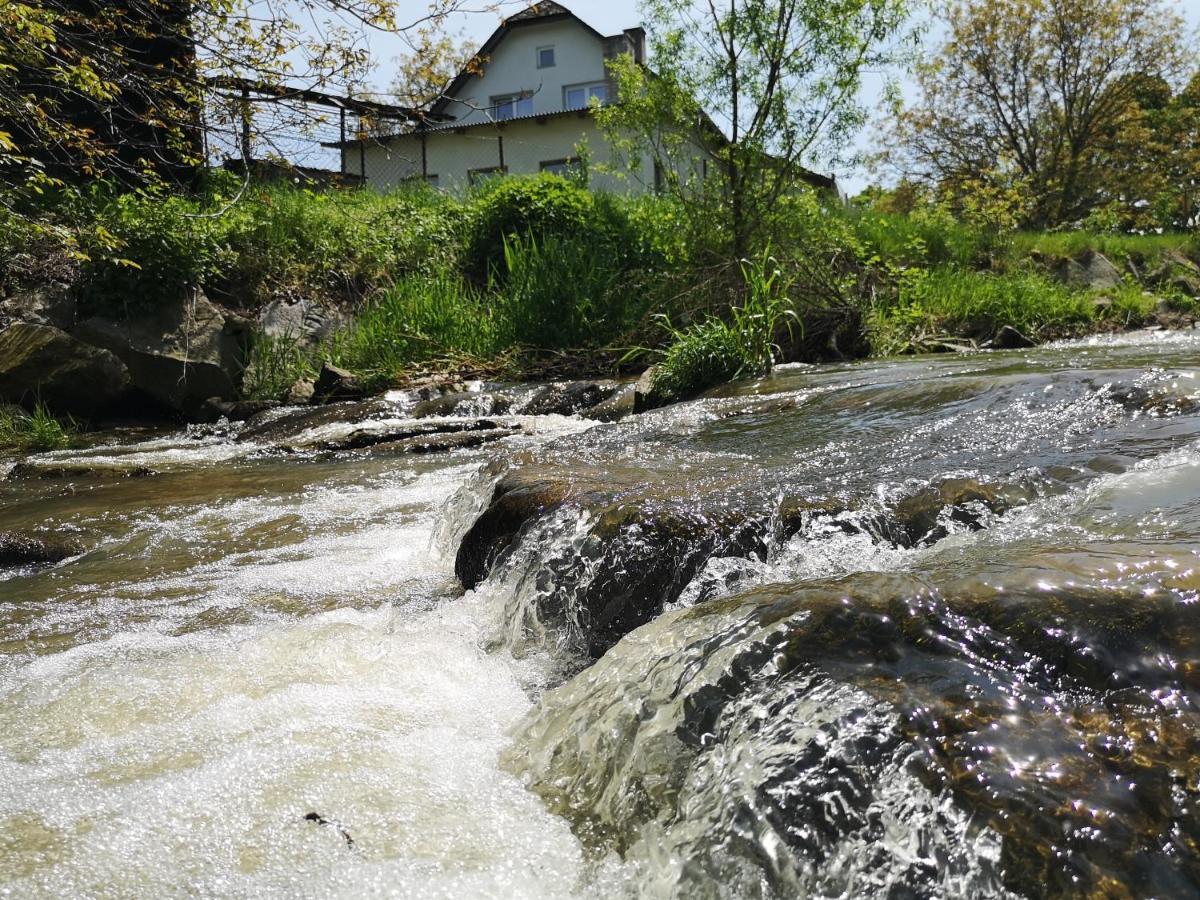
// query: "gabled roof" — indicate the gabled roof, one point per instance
point(537, 14)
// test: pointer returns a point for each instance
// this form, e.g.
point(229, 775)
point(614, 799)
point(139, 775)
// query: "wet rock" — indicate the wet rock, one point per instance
point(319, 819)
point(925, 517)
point(363, 438)
point(445, 442)
point(334, 384)
point(43, 363)
point(616, 407)
point(179, 353)
point(215, 409)
point(1136, 398)
point(17, 549)
point(273, 427)
point(1009, 338)
point(644, 396)
point(471, 403)
point(74, 472)
point(569, 398)
point(300, 393)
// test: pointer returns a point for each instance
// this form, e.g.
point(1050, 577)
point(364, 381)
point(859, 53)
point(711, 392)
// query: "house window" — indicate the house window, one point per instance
point(545, 57)
point(568, 166)
point(512, 106)
point(479, 176)
point(578, 96)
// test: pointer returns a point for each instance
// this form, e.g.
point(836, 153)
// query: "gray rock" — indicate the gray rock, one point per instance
point(50, 303)
point(303, 320)
point(74, 472)
point(568, 398)
point(300, 393)
point(17, 549)
point(180, 354)
point(274, 428)
point(644, 396)
point(235, 410)
point(335, 384)
point(1091, 270)
point(618, 406)
point(43, 363)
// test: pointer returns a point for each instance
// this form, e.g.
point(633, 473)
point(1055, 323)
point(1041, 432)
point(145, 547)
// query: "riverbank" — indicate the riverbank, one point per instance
point(173, 306)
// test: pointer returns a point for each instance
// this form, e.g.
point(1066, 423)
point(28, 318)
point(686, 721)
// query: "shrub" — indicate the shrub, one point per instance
point(715, 351)
point(539, 206)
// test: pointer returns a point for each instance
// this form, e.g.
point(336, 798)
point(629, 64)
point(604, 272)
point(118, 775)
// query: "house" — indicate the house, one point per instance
point(525, 106)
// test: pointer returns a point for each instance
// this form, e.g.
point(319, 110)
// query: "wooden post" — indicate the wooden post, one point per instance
point(342, 142)
point(424, 156)
point(500, 144)
point(246, 128)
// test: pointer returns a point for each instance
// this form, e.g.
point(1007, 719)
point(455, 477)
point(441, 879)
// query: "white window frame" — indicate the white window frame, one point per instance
point(514, 102)
point(553, 57)
point(590, 89)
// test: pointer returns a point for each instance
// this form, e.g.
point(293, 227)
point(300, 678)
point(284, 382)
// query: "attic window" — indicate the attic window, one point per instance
point(580, 95)
point(545, 57)
point(511, 106)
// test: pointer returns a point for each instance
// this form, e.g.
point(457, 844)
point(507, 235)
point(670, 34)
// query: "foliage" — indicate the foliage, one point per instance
point(274, 364)
point(519, 207)
point(35, 432)
point(780, 76)
point(1020, 100)
point(716, 350)
point(937, 307)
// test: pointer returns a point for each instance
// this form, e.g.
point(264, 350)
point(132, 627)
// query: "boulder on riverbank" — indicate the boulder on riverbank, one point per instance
point(41, 363)
point(179, 353)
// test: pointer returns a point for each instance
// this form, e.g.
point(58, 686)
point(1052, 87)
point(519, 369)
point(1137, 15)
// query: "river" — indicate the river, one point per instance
point(906, 628)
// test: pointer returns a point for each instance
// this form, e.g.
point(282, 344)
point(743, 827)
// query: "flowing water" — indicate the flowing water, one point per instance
point(908, 628)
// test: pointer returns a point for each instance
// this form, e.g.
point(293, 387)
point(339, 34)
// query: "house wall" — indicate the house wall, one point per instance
point(579, 59)
point(450, 155)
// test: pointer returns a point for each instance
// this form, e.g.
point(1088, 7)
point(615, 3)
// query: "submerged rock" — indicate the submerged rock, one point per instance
point(365, 438)
point(781, 734)
point(1009, 338)
point(74, 472)
point(40, 363)
point(17, 549)
point(472, 403)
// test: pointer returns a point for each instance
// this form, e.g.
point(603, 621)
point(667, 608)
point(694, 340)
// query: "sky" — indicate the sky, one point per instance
point(613, 16)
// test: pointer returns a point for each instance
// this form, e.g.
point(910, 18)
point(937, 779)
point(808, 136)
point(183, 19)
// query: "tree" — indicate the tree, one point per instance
point(760, 88)
point(97, 89)
point(1022, 95)
point(432, 61)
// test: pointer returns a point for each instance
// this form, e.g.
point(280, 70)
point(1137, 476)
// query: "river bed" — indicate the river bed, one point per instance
point(263, 677)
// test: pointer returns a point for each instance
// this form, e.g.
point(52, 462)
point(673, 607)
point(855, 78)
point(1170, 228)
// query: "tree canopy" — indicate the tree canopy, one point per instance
point(1057, 108)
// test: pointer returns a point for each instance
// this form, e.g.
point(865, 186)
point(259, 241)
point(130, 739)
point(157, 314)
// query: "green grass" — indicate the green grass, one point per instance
point(35, 432)
point(276, 363)
point(1117, 247)
point(933, 307)
point(716, 350)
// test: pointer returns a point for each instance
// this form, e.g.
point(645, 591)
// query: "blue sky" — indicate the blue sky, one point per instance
point(612, 16)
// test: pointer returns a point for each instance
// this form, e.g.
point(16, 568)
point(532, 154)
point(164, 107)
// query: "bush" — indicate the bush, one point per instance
point(715, 351)
point(145, 250)
point(274, 364)
point(540, 206)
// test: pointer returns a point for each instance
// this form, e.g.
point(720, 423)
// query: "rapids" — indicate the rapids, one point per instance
point(909, 628)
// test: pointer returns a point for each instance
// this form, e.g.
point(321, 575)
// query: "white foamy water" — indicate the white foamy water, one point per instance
point(284, 654)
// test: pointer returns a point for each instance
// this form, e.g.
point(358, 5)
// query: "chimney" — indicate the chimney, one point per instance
point(637, 43)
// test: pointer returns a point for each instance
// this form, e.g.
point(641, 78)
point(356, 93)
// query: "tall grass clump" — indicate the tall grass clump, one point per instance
point(716, 350)
point(36, 431)
point(274, 364)
point(439, 317)
point(934, 307)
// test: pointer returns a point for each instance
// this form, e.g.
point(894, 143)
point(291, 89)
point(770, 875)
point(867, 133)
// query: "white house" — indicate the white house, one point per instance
point(524, 107)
